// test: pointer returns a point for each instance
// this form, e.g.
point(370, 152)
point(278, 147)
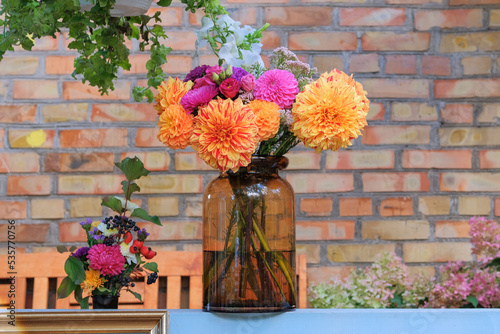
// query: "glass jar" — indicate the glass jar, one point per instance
point(249, 240)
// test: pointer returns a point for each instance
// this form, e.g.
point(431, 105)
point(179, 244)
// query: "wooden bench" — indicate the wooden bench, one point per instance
point(179, 284)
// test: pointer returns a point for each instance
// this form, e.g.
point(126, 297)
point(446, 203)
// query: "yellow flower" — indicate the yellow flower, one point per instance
point(171, 93)
point(94, 224)
point(330, 112)
point(176, 127)
point(93, 280)
point(268, 118)
point(225, 134)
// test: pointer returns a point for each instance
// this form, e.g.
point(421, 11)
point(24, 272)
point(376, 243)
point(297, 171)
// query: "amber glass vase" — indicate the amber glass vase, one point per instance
point(249, 240)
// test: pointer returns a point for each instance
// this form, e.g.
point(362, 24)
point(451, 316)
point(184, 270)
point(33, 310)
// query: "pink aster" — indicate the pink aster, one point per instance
point(278, 86)
point(198, 97)
point(108, 259)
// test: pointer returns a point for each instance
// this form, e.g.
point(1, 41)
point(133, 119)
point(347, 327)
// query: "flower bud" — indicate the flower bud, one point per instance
point(229, 71)
point(222, 75)
point(215, 77)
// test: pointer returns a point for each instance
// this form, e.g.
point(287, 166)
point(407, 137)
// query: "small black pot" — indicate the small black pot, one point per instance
point(104, 302)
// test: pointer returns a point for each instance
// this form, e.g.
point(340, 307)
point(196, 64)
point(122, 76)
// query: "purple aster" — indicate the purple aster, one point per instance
point(197, 72)
point(81, 252)
point(238, 73)
point(88, 222)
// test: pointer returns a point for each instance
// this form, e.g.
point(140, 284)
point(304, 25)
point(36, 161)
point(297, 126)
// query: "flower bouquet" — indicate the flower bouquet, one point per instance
point(116, 252)
point(241, 118)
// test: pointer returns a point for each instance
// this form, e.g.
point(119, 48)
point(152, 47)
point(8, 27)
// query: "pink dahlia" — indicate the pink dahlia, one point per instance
point(278, 86)
point(108, 259)
point(198, 97)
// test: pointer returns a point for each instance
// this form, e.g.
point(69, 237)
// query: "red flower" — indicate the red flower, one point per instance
point(230, 87)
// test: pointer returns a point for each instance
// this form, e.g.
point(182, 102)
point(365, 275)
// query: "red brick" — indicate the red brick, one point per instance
point(174, 230)
point(322, 41)
point(26, 232)
point(380, 159)
point(396, 134)
point(31, 138)
point(316, 206)
point(2, 135)
point(312, 183)
point(35, 89)
point(466, 88)
point(147, 137)
point(312, 252)
point(473, 2)
point(75, 90)
point(434, 205)
point(452, 229)
point(376, 112)
point(355, 206)
point(316, 275)
point(93, 138)
point(462, 182)
point(258, 1)
point(19, 162)
point(89, 184)
point(28, 185)
point(18, 65)
point(303, 160)
point(325, 230)
point(454, 18)
point(489, 159)
point(413, 2)
point(396, 88)
point(245, 15)
point(393, 41)
point(490, 113)
point(390, 182)
point(118, 112)
point(270, 40)
point(293, 16)
point(71, 232)
point(470, 42)
point(4, 88)
point(13, 209)
point(65, 112)
point(153, 161)
point(175, 64)
point(59, 65)
point(79, 162)
point(170, 17)
point(20, 113)
point(396, 206)
point(327, 63)
point(169, 183)
point(436, 65)
point(457, 113)
point(413, 111)
point(451, 159)
point(401, 64)
point(364, 63)
point(190, 161)
point(372, 16)
point(497, 206)
point(181, 40)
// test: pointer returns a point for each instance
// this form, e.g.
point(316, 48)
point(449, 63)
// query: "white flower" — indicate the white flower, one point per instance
point(125, 249)
point(104, 230)
point(202, 34)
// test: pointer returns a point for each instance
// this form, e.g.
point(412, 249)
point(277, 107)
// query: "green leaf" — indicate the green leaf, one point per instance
point(103, 289)
point(74, 268)
point(73, 248)
point(473, 300)
point(84, 302)
point(141, 213)
point(494, 263)
point(113, 203)
point(61, 249)
point(129, 189)
point(136, 295)
point(66, 288)
point(133, 168)
point(164, 3)
point(151, 266)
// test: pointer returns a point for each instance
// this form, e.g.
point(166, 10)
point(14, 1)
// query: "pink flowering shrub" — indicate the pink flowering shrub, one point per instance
point(386, 283)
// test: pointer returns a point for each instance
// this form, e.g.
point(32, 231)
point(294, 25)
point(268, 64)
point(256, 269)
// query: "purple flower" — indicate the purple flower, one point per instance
point(81, 252)
point(88, 222)
point(197, 97)
point(195, 73)
point(238, 73)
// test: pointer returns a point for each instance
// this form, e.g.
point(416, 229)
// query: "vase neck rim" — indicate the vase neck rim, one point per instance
point(260, 163)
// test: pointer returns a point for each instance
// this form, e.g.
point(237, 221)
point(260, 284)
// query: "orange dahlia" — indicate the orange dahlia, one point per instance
point(330, 112)
point(268, 118)
point(176, 127)
point(171, 93)
point(225, 134)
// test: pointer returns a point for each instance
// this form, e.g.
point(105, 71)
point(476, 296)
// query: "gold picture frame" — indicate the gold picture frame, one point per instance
point(86, 321)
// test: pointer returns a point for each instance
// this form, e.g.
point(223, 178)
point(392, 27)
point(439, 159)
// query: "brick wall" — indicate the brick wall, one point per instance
point(428, 161)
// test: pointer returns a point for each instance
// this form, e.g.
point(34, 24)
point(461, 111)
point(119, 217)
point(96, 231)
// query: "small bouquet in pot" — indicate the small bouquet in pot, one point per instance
point(116, 251)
